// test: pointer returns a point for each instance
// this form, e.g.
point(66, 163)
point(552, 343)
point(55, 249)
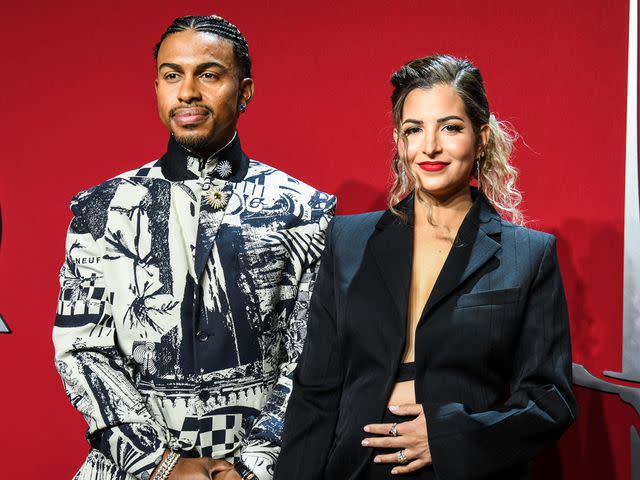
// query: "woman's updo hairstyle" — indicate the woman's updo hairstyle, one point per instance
point(497, 176)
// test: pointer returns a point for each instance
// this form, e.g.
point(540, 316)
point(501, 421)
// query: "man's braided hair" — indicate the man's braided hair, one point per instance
point(214, 25)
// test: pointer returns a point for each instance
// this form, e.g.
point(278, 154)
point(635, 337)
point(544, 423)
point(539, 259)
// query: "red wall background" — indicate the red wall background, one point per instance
point(78, 107)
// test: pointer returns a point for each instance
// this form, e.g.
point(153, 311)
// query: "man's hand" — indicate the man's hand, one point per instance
point(411, 439)
point(200, 469)
point(230, 474)
point(192, 469)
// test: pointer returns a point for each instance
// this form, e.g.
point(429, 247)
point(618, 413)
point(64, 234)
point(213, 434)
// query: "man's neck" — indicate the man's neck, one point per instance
point(211, 150)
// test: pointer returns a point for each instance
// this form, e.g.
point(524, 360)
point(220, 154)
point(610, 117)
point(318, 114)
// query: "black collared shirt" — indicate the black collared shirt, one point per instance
point(229, 163)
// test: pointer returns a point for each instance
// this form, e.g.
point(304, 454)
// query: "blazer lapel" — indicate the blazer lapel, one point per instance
point(473, 247)
point(392, 247)
point(210, 221)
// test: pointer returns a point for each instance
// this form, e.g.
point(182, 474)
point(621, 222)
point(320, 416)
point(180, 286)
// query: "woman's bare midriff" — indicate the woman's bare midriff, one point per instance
point(403, 393)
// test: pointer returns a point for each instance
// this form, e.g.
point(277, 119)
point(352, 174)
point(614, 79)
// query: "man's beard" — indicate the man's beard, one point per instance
point(194, 143)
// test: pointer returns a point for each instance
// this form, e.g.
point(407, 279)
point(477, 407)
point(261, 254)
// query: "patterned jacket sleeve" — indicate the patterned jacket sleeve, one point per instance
point(94, 373)
point(262, 445)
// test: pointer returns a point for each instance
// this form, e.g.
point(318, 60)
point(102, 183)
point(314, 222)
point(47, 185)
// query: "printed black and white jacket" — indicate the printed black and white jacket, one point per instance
point(183, 308)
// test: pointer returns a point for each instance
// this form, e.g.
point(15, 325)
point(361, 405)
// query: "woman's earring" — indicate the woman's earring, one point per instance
point(243, 107)
point(478, 160)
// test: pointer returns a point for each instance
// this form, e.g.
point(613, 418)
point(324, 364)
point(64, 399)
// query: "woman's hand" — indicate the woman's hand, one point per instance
point(411, 439)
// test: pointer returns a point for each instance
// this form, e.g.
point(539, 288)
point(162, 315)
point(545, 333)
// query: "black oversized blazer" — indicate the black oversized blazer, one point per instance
point(492, 349)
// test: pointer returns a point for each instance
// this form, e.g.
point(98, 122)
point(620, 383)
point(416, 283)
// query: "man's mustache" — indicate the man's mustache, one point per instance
point(175, 110)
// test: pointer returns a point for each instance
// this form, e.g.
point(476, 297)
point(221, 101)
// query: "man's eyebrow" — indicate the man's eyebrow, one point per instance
point(172, 66)
point(203, 66)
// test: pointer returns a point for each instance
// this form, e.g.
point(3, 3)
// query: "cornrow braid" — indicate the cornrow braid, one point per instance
point(214, 25)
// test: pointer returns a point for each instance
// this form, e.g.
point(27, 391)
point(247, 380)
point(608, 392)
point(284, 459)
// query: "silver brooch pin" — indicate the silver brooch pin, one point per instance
point(216, 198)
point(223, 169)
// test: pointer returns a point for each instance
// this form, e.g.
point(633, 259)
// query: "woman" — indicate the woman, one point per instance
point(438, 342)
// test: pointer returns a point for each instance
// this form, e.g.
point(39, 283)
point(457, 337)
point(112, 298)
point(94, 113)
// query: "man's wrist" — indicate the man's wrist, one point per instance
point(244, 471)
point(166, 466)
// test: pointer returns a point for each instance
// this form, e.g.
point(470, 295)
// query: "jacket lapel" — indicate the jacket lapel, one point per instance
point(210, 221)
point(473, 247)
point(392, 248)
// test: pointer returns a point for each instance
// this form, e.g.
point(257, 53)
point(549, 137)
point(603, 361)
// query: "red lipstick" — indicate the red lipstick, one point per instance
point(432, 166)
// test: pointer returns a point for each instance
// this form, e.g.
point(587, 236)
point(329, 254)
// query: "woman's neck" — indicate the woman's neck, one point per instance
point(446, 212)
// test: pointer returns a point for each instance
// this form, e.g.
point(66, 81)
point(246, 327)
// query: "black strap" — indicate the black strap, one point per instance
point(406, 372)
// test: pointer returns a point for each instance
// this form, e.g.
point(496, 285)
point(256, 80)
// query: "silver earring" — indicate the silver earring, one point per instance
point(243, 107)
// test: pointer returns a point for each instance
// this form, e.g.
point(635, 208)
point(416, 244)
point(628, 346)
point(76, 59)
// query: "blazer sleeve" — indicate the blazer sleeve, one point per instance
point(92, 367)
point(466, 445)
point(262, 445)
point(317, 384)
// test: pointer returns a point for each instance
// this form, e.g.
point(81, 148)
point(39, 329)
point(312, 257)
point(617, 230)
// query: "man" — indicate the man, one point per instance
point(186, 284)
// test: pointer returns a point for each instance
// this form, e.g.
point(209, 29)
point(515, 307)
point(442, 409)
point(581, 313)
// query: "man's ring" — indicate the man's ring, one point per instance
point(402, 457)
point(393, 431)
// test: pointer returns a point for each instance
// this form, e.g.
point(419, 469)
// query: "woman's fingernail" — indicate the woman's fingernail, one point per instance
point(393, 408)
point(377, 460)
point(393, 472)
point(366, 428)
point(365, 442)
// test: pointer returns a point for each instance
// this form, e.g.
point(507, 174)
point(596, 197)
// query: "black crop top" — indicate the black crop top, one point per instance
point(406, 372)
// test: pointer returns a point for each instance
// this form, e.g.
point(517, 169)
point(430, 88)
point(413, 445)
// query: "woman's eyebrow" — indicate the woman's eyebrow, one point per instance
point(449, 117)
point(411, 120)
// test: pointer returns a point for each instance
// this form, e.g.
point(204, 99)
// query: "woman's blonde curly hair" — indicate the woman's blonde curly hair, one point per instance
point(497, 176)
